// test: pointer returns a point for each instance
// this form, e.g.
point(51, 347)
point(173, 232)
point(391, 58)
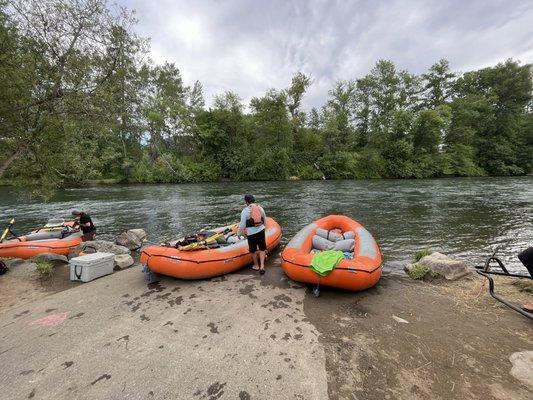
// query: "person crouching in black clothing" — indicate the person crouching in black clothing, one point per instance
point(86, 225)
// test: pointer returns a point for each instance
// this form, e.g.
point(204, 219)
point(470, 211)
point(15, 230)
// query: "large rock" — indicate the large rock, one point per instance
point(129, 240)
point(94, 246)
point(140, 233)
point(523, 367)
point(132, 238)
point(50, 257)
point(13, 262)
point(123, 261)
point(438, 264)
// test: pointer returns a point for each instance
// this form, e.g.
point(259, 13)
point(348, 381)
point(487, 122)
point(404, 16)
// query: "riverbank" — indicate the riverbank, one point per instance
point(242, 336)
point(117, 181)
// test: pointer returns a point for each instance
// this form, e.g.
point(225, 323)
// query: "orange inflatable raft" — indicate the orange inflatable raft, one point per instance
point(359, 273)
point(57, 239)
point(199, 264)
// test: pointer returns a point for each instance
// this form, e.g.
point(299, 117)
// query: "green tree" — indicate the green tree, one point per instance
point(78, 102)
point(438, 84)
point(506, 91)
point(273, 136)
point(338, 117)
point(430, 127)
point(196, 97)
point(62, 47)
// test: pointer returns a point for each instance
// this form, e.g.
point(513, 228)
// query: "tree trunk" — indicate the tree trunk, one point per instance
point(5, 165)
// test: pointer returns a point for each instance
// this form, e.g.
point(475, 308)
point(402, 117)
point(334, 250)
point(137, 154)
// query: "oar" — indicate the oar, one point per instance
point(7, 230)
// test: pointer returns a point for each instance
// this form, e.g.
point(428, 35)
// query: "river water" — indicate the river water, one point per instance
point(463, 217)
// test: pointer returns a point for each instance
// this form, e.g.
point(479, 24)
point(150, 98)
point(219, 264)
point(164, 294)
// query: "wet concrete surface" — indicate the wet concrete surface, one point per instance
point(242, 336)
point(121, 338)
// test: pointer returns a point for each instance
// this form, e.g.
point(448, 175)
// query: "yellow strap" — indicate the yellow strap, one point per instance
point(4, 234)
point(202, 244)
point(6, 231)
point(210, 239)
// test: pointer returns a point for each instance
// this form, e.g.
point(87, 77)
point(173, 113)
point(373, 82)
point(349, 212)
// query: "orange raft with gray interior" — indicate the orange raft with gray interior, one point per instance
point(359, 273)
point(199, 264)
point(58, 240)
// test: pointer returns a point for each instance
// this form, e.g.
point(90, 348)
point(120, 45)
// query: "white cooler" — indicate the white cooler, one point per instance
point(91, 266)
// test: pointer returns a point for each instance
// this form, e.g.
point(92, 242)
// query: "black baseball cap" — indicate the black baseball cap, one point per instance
point(249, 198)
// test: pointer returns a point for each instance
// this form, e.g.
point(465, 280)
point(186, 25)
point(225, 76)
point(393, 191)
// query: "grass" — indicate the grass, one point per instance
point(45, 268)
point(472, 293)
point(421, 254)
point(419, 272)
point(524, 285)
point(7, 182)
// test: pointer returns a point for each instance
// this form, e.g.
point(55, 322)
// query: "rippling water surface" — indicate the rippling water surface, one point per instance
point(468, 218)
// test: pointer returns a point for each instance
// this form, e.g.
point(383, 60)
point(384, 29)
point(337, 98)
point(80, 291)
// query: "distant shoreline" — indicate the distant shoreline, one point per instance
point(114, 181)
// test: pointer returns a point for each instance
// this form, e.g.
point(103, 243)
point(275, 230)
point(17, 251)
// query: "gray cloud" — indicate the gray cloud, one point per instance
point(251, 46)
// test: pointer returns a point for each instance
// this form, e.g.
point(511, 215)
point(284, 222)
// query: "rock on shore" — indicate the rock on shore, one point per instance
point(93, 246)
point(523, 367)
point(132, 239)
point(123, 261)
point(437, 265)
point(50, 257)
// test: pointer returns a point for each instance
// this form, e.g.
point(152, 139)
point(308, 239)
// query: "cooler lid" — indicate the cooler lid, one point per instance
point(93, 257)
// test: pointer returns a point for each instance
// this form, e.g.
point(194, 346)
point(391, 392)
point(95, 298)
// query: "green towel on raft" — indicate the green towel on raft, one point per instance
point(325, 261)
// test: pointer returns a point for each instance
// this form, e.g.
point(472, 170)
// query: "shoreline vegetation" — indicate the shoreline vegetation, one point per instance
point(13, 183)
point(80, 102)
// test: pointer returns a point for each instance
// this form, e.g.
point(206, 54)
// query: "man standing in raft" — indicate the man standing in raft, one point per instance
point(86, 225)
point(253, 219)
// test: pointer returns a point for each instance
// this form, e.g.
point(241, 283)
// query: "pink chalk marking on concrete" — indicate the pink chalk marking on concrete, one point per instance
point(51, 320)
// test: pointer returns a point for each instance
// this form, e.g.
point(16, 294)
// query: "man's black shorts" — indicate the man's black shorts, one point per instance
point(257, 241)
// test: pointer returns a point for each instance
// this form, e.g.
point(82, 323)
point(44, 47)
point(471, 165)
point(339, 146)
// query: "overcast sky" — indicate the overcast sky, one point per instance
point(251, 46)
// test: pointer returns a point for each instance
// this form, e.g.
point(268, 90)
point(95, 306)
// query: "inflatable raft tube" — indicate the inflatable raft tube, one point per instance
point(38, 242)
point(359, 273)
point(207, 263)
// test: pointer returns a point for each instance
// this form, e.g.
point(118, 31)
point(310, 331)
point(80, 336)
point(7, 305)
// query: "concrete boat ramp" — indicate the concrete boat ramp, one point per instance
point(121, 338)
point(242, 336)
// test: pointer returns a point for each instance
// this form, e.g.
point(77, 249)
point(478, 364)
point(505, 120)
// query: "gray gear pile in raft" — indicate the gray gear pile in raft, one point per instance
point(329, 240)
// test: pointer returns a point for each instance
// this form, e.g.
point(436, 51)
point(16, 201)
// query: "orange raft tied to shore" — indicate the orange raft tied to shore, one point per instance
point(207, 263)
point(58, 240)
point(359, 273)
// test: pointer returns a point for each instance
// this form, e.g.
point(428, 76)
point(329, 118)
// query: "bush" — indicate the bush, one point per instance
point(398, 157)
point(45, 268)
point(419, 272)
point(272, 164)
point(421, 254)
point(308, 172)
point(206, 170)
point(339, 165)
point(371, 164)
point(168, 168)
point(459, 160)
